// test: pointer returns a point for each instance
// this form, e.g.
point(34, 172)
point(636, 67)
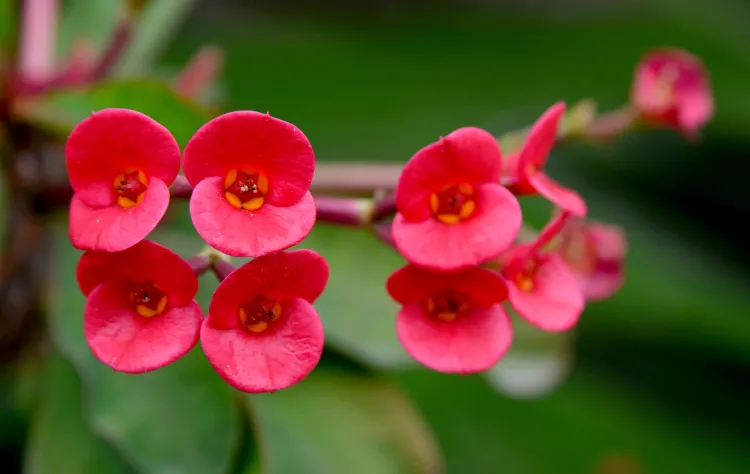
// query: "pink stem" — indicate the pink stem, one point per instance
point(384, 231)
point(200, 264)
point(355, 178)
point(38, 33)
point(181, 188)
point(550, 231)
point(199, 72)
point(116, 46)
point(344, 210)
point(222, 268)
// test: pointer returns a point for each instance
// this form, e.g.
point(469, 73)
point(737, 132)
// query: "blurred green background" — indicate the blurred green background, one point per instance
point(654, 380)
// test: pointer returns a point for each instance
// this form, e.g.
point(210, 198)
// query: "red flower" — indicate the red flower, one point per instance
point(671, 87)
point(596, 254)
point(140, 314)
point(120, 165)
point(528, 177)
point(453, 212)
point(262, 333)
point(452, 322)
point(251, 174)
point(542, 288)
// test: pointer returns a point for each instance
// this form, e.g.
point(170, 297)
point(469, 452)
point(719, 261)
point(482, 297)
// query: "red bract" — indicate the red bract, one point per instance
point(251, 174)
point(452, 322)
point(140, 314)
point(452, 210)
point(262, 333)
point(542, 288)
point(671, 87)
point(120, 164)
point(596, 254)
point(528, 176)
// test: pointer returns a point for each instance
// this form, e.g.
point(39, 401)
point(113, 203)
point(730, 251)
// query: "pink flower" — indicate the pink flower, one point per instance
point(252, 175)
point(541, 287)
point(120, 165)
point(262, 333)
point(671, 87)
point(596, 254)
point(140, 314)
point(452, 211)
point(528, 176)
point(452, 322)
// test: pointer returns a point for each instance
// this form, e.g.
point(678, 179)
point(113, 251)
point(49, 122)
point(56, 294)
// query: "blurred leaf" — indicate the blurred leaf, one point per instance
point(358, 315)
point(181, 418)
point(571, 431)
point(61, 442)
point(333, 423)
point(61, 111)
point(8, 22)
point(157, 23)
point(537, 363)
point(92, 20)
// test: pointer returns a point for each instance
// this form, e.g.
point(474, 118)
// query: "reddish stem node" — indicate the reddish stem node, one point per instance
point(221, 268)
point(200, 264)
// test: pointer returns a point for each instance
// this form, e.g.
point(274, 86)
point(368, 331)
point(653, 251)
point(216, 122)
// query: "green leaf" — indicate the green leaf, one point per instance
point(156, 25)
point(158, 419)
point(589, 419)
point(181, 418)
point(333, 422)
point(537, 363)
point(8, 21)
point(357, 313)
point(60, 111)
point(61, 441)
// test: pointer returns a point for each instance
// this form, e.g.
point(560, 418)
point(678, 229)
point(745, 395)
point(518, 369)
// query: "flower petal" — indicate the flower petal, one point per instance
point(242, 233)
point(130, 343)
point(485, 235)
point(113, 228)
point(103, 145)
point(601, 284)
point(251, 140)
point(145, 261)
point(411, 284)
point(556, 301)
point(467, 156)
point(283, 276)
point(272, 360)
point(472, 343)
point(541, 139)
point(564, 198)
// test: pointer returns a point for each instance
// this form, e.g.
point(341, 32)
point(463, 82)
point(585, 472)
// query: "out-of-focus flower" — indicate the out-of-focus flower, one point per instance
point(541, 286)
point(452, 211)
point(596, 254)
point(252, 175)
point(525, 171)
point(120, 165)
point(671, 87)
point(452, 322)
point(262, 333)
point(139, 314)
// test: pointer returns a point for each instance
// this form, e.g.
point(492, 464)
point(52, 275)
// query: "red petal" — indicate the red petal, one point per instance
point(473, 343)
point(411, 284)
point(284, 275)
point(694, 111)
point(111, 140)
point(541, 139)
point(113, 228)
point(251, 140)
point(127, 342)
point(467, 156)
point(564, 198)
point(556, 301)
point(268, 361)
point(242, 233)
point(145, 261)
point(489, 232)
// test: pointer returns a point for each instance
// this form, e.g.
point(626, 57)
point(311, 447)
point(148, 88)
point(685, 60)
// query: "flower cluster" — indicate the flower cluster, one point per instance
point(251, 174)
point(456, 219)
